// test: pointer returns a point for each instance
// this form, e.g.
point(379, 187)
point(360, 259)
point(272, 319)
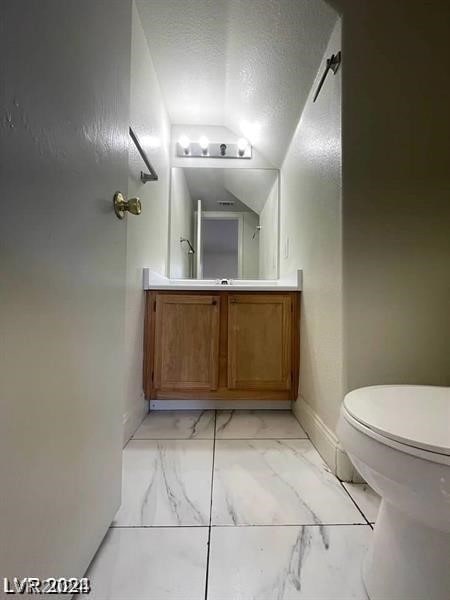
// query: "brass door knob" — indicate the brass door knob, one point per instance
point(121, 206)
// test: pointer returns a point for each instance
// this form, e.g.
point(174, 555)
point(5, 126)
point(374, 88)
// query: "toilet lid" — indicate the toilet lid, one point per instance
point(416, 415)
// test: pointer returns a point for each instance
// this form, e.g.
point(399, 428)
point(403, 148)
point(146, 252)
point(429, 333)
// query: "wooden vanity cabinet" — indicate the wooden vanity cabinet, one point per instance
point(203, 345)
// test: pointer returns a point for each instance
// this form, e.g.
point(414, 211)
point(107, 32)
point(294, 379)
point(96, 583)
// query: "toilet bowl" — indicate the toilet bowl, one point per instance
point(398, 438)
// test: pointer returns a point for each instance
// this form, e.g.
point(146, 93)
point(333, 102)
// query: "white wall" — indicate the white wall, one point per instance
point(311, 226)
point(396, 202)
point(181, 225)
point(147, 234)
point(268, 236)
point(64, 152)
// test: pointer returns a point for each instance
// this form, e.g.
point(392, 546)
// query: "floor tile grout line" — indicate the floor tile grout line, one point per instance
point(279, 525)
point(200, 439)
point(211, 439)
point(185, 439)
point(210, 508)
point(241, 526)
point(371, 523)
point(354, 502)
point(262, 439)
point(158, 527)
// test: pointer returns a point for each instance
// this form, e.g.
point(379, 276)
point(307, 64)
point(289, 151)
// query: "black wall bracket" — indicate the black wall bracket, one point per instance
point(333, 64)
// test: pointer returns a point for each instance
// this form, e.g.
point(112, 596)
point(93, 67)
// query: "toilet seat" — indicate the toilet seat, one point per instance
point(414, 419)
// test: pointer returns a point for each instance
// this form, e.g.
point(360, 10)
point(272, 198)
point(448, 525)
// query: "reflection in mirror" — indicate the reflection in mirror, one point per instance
point(224, 223)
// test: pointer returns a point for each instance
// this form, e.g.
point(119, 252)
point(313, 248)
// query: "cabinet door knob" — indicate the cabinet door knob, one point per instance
point(214, 302)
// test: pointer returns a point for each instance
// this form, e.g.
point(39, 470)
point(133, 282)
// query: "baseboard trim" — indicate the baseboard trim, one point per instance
point(220, 404)
point(132, 419)
point(325, 441)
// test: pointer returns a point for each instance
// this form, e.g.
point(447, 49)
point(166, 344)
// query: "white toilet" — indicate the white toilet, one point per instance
point(398, 438)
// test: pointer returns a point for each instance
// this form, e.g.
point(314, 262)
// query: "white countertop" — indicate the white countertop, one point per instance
point(154, 281)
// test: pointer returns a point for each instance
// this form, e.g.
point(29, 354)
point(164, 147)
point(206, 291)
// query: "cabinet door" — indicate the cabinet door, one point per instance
point(259, 342)
point(186, 342)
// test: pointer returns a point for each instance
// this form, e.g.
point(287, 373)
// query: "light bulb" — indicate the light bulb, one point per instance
point(242, 143)
point(204, 142)
point(184, 143)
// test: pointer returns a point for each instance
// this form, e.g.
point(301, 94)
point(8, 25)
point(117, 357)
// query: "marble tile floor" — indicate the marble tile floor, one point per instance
point(232, 505)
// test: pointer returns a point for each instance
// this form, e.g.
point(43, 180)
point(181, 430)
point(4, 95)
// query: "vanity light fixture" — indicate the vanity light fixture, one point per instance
point(206, 149)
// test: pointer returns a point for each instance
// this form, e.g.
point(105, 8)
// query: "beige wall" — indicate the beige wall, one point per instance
point(147, 234)
point(311, 234)
point(396, 192)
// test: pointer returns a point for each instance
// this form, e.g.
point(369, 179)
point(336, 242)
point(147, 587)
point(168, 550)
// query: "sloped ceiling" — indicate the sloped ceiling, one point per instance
point(251, 186)
point(208, 185)
point(247, 188)
point(244, 64)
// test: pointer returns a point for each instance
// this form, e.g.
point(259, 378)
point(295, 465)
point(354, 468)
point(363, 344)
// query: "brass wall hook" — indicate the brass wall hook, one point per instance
point(121, 206)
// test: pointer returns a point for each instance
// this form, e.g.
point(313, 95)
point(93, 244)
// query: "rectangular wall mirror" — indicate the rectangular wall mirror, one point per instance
point(224, 223)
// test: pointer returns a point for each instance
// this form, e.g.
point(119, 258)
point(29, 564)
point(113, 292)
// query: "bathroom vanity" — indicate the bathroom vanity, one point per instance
point(208, 341)
point(229, 340)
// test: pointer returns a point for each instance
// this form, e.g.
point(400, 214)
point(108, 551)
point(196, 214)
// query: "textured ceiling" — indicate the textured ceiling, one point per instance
point(244, 64)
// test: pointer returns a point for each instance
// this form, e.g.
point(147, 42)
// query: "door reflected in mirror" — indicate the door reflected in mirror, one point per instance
point(224, 223)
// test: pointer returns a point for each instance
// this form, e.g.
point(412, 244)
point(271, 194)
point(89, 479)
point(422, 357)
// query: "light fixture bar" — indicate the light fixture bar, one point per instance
point(205, 149)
